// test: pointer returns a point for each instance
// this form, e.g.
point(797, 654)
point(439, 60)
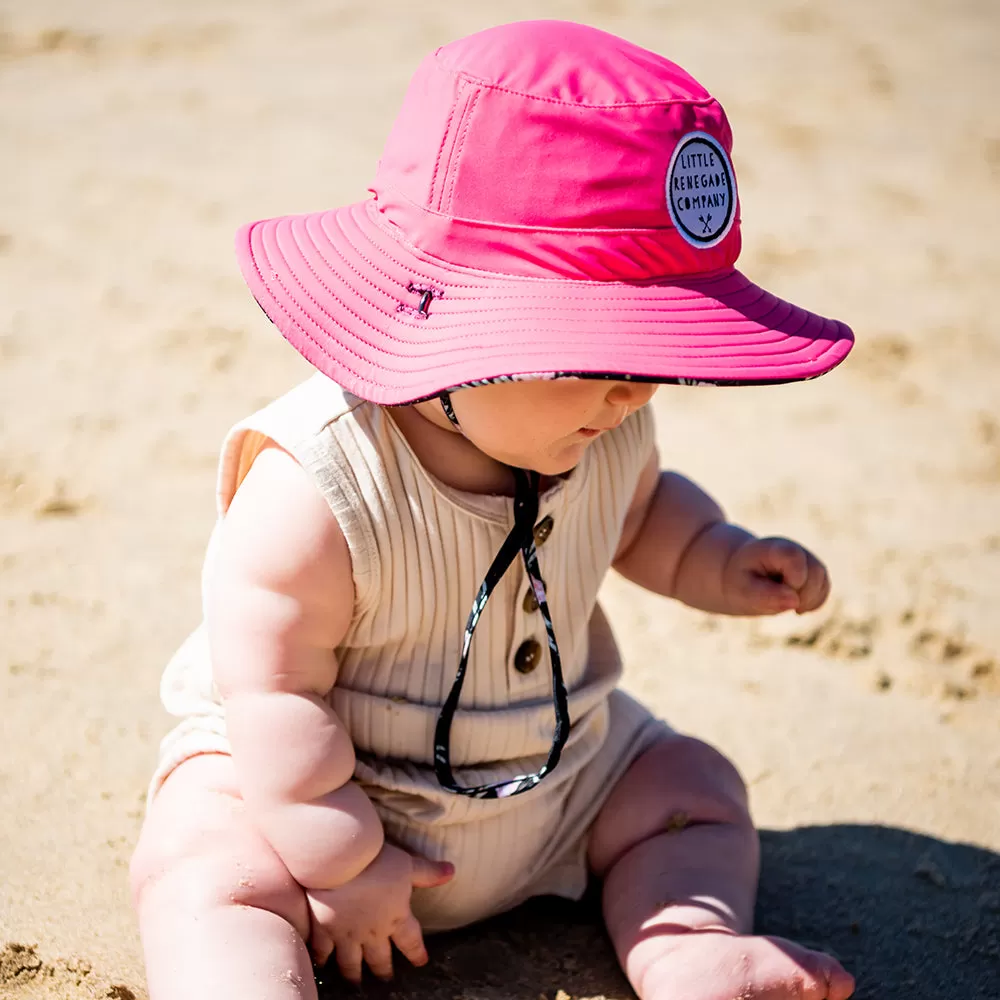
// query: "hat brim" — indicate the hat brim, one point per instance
point(344, 290)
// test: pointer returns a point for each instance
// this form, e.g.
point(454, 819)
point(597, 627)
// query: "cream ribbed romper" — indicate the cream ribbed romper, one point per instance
point(419, 552)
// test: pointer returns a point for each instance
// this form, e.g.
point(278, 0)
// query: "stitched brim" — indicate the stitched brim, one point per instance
point(334, 283)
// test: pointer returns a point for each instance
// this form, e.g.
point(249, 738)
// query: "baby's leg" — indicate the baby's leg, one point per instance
point(679, 856)
point(219, 914)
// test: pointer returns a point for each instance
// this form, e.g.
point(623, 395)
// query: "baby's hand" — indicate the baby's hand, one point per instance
point(362, 919)
point(766, 576)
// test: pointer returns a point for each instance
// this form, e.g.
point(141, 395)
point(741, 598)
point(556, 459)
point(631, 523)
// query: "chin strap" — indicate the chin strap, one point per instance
point(449, 410)
point(520, 539)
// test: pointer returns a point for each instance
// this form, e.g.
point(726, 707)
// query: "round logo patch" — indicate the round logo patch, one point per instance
point(701, 190)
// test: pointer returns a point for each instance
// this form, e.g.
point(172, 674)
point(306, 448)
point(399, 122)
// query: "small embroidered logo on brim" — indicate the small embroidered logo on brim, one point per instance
point(701, 190)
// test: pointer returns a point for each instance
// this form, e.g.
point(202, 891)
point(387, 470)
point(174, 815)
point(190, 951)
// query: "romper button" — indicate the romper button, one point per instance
point(543, 529)
point(530, 602)
point(528, 656)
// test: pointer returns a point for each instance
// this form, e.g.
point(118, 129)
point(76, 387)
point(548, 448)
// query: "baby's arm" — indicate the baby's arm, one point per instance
point(280, 600)
point(677, 542)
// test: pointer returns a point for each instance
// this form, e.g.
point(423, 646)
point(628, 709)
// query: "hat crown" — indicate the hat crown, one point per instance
point(551, 126)
point(570, 63)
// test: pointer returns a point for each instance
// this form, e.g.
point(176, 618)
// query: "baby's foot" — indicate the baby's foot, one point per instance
point(716, 965)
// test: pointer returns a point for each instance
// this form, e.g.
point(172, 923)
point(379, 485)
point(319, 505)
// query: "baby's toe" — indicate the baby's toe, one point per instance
point(840, 983)
point(830, 980)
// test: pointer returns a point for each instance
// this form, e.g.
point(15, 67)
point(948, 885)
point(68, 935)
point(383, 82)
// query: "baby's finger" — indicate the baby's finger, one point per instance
point(767, 597)
point(427, 873)
point(816, 589)
point(409, 939)
point(378, 956)
point(348, 955)
point(320, 942)
point(321, 947)
point(788, 560)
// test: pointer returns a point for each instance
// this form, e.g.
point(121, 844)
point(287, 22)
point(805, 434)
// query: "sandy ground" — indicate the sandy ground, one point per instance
point(134, 138)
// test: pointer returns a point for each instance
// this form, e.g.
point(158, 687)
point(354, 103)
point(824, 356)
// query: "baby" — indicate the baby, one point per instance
point(361, 759)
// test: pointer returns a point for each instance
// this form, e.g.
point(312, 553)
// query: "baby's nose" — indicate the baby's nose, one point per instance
point(631, 394)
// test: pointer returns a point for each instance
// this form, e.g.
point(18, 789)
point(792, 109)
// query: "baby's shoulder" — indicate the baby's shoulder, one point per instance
point(307, 451)
point(279, 537)
point(306, 409)
point(299, 422)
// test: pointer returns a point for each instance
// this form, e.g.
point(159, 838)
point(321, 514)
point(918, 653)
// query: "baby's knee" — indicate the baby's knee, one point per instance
point(192, 869)
point(677, 783)
point(696, 781)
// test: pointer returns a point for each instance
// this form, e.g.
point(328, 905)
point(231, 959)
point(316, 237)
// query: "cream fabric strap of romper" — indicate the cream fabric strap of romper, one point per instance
point(419, 551)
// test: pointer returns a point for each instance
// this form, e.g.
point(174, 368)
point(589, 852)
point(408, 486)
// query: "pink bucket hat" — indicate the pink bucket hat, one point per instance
point(552, 201)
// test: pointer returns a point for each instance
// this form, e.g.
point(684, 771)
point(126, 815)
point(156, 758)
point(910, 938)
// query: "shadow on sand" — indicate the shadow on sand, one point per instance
point(914, 918)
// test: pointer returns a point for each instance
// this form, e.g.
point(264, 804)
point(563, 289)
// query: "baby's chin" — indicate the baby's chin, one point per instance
point(558, 461)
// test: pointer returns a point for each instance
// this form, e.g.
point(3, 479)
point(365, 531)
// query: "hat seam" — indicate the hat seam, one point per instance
point(333, 295)
point(451, 173)
point(517, 227)
point(696, 294)
point(638, 336)
point(298, 325)
point(444, 141)
point(397, 235)
point(354, 269)
point(722, 274)
point(659, 101)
